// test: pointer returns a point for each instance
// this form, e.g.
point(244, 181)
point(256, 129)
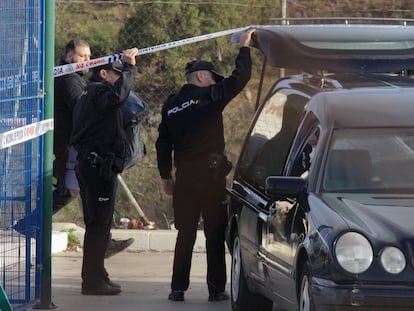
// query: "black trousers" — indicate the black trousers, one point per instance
point(196, 194)
point(98, 200)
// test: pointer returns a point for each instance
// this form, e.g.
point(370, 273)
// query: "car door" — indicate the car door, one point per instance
point(275, 125)
point(286, 226)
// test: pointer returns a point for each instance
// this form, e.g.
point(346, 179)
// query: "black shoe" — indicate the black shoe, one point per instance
point(219, 296)
point(113, 284)
point(176, 295)
point(102, 289)
point(27, 225)
point(116, 246)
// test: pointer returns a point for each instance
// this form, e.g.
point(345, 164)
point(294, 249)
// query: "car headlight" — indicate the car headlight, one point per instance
point(393, 260)
point(353, 252)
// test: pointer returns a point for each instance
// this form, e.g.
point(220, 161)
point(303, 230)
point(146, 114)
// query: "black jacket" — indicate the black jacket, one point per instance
point(192, 122)
point(97, 119)
point(68, 90)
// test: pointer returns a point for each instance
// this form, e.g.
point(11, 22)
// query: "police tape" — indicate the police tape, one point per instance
point(36, 129)
point(71, 68)
point(25, 133)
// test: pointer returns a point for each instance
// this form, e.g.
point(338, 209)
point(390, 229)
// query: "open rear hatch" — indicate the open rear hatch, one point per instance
point(337, 47)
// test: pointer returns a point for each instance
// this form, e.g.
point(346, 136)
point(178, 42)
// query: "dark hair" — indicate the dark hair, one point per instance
point(72, 44)
point(115, 66)
point(95, 76)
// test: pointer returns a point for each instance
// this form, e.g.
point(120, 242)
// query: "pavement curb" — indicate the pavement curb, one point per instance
point(145, 240)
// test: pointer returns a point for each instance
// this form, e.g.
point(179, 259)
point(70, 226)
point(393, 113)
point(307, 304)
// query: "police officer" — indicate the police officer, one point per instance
point(192, 130)
point(99, 138)
point(68, 91)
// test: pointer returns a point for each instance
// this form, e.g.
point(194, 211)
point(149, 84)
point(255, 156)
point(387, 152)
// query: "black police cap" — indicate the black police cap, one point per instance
point(197, 65)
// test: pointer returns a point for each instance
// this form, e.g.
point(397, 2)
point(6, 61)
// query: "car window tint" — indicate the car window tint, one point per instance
point(303, 160)
point(269, 142)
point(370, 160)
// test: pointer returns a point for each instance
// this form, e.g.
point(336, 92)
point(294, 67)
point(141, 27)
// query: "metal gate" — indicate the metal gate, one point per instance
point(21, 148)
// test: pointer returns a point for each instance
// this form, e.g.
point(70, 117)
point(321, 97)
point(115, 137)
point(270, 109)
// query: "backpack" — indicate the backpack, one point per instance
point(133, 112)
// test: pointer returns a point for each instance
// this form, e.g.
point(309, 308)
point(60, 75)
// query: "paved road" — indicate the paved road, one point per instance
point(145, 280)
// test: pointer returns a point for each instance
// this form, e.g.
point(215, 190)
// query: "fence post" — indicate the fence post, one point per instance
point(49, 59)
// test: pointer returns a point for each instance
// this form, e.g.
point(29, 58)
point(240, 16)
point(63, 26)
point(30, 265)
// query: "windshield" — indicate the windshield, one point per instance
point(370, 160)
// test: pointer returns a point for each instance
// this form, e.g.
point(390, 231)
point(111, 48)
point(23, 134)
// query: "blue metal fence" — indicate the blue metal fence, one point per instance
point(21, 110)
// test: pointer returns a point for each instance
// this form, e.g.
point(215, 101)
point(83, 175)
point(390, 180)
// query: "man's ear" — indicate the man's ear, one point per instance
point(199, 76)
point(69, 57)
point(103, 74)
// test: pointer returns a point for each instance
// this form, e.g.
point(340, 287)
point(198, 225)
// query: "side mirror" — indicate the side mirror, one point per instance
point(284, 186)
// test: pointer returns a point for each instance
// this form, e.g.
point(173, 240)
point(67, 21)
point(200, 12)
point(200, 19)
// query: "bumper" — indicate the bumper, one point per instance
point(331, 296)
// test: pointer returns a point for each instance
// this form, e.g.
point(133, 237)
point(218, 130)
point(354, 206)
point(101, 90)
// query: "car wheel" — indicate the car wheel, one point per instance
point(305, 296)
point(242, 299)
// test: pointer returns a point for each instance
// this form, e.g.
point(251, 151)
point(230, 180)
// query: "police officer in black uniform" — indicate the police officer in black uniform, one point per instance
point(99, 138)
point(192, 129)
point(68, 91)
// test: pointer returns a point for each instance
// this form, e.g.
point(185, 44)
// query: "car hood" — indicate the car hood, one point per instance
point(382, 217)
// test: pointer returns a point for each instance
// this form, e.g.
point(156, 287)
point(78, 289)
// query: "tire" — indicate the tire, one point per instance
point(305, 295)
point(242, 299)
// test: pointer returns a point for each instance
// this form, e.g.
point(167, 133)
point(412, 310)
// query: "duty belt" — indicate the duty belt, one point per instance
point(95, 159)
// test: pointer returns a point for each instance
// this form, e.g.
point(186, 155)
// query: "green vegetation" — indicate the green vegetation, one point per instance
point(73, 241)
point(72, 238)
point(111, 26)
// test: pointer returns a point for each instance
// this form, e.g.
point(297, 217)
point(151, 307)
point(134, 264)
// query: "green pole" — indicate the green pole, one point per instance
point(49, 58)
point(4, 301)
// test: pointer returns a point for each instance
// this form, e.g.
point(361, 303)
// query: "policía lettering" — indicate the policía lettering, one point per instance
point(183, 106)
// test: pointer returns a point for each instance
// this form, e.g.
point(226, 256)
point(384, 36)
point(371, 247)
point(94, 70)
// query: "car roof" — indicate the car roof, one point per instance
point(337, 47)
point(365, 107)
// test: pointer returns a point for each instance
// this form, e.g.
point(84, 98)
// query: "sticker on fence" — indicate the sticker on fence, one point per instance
point(25, 133)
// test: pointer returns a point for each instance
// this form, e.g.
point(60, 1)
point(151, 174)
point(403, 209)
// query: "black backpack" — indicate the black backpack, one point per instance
point(133, 112)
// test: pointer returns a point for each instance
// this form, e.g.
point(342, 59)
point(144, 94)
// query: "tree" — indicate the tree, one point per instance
point(157, 23)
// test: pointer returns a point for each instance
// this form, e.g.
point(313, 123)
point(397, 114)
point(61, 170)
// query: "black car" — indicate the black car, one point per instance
point(321, 209)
